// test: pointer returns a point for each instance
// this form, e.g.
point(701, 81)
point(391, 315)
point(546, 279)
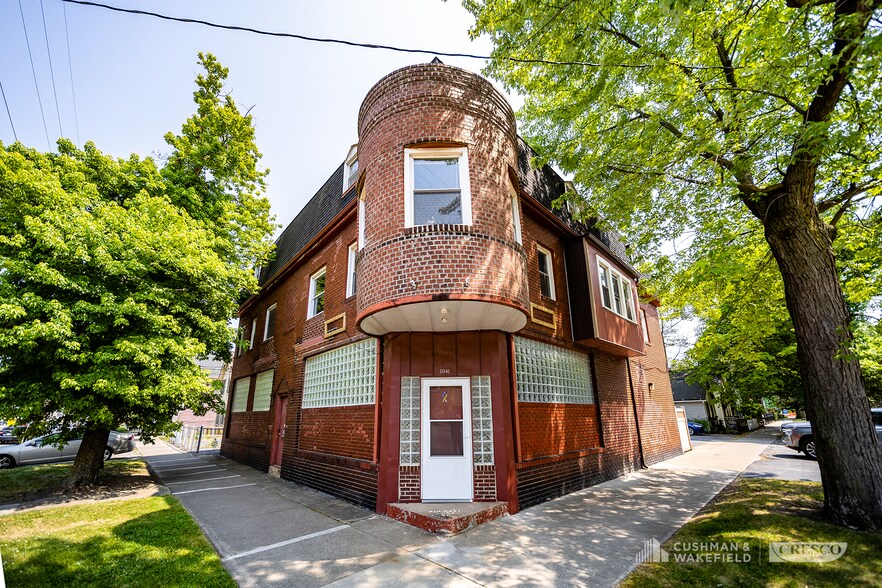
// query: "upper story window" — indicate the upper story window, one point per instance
point(645, 327)
point(615, 291)
point(317, 293)
point(546, 273)
point(436, 187)
point(361, 213)
point(269, 327)
point(515, 213)
point(350, 276)
point(251, 335)
point(350, 167)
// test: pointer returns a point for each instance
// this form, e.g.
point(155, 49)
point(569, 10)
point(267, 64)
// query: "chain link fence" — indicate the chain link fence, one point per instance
point(193, 438)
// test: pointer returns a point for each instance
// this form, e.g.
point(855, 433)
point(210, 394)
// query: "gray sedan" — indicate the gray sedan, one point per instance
point(799, 436)
point(45, 449)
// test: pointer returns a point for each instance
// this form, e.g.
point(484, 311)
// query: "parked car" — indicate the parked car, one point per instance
point(799, 436)
point(695, 428)
point(10, 435)
point(45, 449)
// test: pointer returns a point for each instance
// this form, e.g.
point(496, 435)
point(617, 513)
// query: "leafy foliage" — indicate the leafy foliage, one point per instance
point(115, 274)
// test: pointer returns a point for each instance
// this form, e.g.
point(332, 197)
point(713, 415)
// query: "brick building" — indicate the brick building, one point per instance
point(434, 330)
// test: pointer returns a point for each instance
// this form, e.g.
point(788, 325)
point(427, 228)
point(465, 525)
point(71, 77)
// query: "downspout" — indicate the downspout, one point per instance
point(636, 420)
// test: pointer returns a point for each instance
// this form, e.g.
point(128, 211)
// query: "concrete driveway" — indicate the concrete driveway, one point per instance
point(271, 532)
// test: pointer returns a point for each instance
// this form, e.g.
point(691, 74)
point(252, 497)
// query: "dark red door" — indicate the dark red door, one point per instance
point(279, 430)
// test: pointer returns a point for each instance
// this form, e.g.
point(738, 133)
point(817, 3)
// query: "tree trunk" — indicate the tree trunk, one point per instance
point(89, 460)
point(849, 455)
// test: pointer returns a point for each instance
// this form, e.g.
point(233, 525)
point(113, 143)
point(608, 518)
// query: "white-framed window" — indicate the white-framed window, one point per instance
point(644, 325)
point(350, 167)
point(240, 395)
point(251, 334)
point(436, 187)
point(351, 282)
point(546, 272)
point(269, 326)
point(547, 373)
point(317, 293)
point(263, 390)
point(345, 376)
point(361, 213)
point(515, 213)
point(615, 291)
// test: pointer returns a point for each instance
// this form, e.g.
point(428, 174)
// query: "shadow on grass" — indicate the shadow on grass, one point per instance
point(162, 547)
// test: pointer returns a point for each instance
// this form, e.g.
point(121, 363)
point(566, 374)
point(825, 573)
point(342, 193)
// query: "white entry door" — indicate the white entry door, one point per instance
point(446, 440)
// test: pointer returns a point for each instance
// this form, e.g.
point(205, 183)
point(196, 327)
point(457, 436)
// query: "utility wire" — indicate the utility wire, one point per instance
point(34, 71)
point(70, 69)
point(51, 70)
point(355, 44)
point(9, 114)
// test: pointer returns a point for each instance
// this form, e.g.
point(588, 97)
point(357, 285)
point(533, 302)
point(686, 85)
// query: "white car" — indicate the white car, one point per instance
point(45, 449)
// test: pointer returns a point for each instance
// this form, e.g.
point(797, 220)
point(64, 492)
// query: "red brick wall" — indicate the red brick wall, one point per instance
point(345, 430)
point(658, 421)
point(438, 105)
point(556, 429)
point(345, 470)
point(485, 483)
point(409, 484)
point(535, 232)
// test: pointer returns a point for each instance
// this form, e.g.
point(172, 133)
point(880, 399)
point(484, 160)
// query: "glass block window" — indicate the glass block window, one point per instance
point(263, 389)
point(410, 421)
point(345, 376)
point(547, 373)
point(482, 421)
point(240, 395)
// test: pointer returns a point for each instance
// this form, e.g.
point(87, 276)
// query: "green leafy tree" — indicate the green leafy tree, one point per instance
point(115, 274)
point(705, 116)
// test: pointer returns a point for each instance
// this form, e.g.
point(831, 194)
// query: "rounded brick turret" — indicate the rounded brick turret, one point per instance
point(439, 246)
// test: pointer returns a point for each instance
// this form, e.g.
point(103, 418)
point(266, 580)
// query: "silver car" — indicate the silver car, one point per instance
point(45, 449)
point(799, 436)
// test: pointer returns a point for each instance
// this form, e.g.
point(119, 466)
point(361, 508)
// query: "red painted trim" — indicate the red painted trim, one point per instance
point(513, 394)
point(387, 478)
point(378, 421)
point(417, 298)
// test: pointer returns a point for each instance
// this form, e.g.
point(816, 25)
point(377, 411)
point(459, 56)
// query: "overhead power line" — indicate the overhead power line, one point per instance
point(9, 114)
point(70, 69)
point(51, 69)
point(34, 71)
point(353, 43)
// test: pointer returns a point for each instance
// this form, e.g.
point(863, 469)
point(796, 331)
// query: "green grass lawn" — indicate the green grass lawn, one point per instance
point(25, 483)
point(756, 512)
point(139, 542)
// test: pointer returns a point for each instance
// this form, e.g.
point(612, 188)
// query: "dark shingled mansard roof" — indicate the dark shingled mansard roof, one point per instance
point(685, 391)
point(315, 216)
point(543, 184)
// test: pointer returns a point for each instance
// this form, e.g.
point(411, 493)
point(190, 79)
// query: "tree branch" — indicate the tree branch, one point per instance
point(708, 155)
point(847, 195)
point(800, 110)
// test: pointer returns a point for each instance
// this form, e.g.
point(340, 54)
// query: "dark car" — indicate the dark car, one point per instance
point(11, 434)
point(799, 436)
point(45, 449)
point(695, 428)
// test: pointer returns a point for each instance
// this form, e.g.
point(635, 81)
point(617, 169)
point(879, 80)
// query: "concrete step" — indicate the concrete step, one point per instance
point(446, 518)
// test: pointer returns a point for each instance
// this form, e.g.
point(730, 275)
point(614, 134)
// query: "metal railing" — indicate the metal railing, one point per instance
point(192, 438)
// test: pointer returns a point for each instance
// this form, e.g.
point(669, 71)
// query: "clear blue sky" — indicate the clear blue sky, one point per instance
point(133, 75)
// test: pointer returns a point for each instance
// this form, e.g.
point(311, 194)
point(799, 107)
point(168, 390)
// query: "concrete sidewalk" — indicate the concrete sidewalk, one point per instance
point(271, 532)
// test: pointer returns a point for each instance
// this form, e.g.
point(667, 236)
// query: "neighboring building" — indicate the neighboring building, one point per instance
point(218, 371)
point(433, 329)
